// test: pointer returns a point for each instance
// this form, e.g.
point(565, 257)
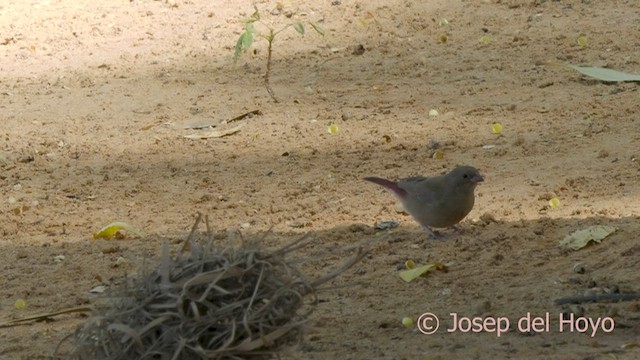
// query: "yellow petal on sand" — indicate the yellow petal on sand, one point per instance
point(496, 128)
point(554, 202)
point(407, 322)
point(438, 154)
point(20, 304)
point(485, 40)
point(409, 264)
point(582, 41)
point(332, 129)
point(112, 229)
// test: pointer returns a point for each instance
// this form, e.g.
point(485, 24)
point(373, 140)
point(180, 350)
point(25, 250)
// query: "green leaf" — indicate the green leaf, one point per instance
point(244, 42)
point(415, 272)
point(299, 27)
point(238, 49)
point(317, 28)
point(412, 274)
point(247, 39)
point(605, 74)
point(249, 27)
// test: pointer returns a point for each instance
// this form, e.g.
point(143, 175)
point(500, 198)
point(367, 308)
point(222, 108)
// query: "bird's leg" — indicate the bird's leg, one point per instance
point(432, 233)
point(458, 228)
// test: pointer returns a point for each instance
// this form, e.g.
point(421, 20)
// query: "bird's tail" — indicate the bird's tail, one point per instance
point(391, 186)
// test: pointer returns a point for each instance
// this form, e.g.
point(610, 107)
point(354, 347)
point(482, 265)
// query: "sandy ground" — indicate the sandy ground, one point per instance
point(95, 98)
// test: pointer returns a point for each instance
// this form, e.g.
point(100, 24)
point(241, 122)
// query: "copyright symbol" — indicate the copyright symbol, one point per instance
point(428, 323)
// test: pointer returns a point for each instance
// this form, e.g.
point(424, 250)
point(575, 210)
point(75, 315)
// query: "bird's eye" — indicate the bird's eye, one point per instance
point(466, 176)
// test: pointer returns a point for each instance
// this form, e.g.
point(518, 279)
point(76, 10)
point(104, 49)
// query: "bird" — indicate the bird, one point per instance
point(437, 201)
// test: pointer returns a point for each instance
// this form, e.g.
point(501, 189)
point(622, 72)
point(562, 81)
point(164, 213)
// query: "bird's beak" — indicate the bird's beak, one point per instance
point(477, 179)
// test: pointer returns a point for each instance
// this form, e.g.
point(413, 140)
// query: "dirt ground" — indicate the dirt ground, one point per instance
point(96, 99)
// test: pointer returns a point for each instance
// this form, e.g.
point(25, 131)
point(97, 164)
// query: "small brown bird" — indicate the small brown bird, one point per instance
point(438, 201)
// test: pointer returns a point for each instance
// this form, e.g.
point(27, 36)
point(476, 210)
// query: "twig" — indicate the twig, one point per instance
point(596, 298)
point(240, 117)
point(45, 316)
point(292, 246)
point(268, 72)
point(186, 246)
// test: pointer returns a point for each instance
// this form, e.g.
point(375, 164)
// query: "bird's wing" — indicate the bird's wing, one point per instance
point(423, 189)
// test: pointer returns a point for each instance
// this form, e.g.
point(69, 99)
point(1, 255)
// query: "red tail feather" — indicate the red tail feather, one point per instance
point(392, 186)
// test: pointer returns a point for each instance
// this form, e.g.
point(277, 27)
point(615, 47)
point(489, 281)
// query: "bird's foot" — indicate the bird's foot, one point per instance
point(459, 229)
point(434, 234)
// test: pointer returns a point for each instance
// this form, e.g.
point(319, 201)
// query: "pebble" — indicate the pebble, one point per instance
point(579, 268)
point(120, 261)
point(385, 225)
point(296, 224)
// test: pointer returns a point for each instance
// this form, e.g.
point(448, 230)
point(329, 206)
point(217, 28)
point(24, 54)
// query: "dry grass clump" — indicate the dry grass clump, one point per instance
point(214, 303)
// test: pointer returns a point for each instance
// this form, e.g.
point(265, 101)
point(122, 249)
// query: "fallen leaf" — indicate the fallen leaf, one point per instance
point(581, 238)
point(411, 274)
point(113, 229)
point(438, 154)
point(98, 289)
point(605, 74)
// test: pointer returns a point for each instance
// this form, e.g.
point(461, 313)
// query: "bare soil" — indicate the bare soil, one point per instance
point(96, 99)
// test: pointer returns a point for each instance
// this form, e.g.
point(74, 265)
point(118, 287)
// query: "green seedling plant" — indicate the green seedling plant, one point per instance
point(247, 37)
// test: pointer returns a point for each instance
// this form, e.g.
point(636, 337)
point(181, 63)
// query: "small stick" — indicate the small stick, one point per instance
point(187, 243)
point(45, 316)
point(292, 246)
point(596, 298)
point(206, 222)
point(268, 72)
point(240, 117)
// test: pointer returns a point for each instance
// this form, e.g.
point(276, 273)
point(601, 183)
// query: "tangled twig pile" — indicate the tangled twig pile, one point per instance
point(215, 303)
